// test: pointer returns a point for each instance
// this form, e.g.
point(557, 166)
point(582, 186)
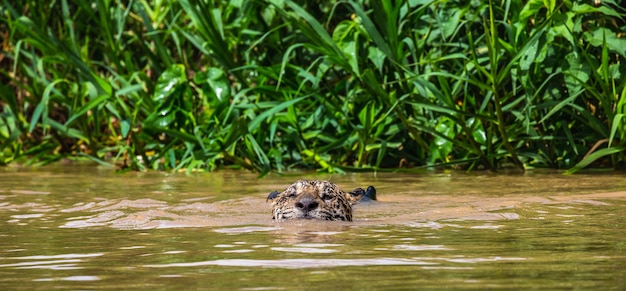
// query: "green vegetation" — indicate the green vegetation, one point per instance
point(343, 85)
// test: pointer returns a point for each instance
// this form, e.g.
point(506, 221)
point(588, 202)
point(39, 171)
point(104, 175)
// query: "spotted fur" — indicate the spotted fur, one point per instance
point(314, 199)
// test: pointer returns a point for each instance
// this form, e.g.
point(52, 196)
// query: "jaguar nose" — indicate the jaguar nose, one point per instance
point(306, 204)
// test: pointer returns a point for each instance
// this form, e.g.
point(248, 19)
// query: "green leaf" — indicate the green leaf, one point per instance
point(617, 123)
point(168, 82)
point(125, 126)
point(599, 36)
point(586, 8)
point(70, 132)
point(372, 31)
point(267, 113)
point(89, 106)
point(595, 156)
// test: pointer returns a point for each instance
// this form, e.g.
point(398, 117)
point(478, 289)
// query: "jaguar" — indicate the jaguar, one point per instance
point(317, 199)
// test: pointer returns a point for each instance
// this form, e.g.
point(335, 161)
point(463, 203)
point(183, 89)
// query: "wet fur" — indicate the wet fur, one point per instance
point(314, 199)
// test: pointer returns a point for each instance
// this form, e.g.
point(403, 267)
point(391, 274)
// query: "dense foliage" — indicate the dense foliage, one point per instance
point(336, 85)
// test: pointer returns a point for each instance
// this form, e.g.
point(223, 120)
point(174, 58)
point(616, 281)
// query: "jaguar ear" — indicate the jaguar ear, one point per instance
point(359, 195)
point(356, 195)
point(370, 193)
point(272, 196)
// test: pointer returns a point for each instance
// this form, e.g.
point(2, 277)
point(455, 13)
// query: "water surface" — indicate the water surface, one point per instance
point(87, 228)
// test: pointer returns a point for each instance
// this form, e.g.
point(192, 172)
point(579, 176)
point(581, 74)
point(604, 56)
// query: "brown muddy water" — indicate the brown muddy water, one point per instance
point(86, 228)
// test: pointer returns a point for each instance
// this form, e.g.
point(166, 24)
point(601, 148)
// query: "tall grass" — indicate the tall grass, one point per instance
point(336, 86)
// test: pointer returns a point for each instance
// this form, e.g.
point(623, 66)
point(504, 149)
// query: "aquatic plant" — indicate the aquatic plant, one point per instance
point(333, 86)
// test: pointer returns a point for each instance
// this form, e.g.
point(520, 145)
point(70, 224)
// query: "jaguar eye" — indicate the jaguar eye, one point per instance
point(326, 197)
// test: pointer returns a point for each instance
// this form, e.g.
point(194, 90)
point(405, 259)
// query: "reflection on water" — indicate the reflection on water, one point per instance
point(297, 263)
point(84, 228)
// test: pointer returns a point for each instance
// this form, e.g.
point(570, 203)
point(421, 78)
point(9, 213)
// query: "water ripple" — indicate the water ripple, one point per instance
point(297, 263)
